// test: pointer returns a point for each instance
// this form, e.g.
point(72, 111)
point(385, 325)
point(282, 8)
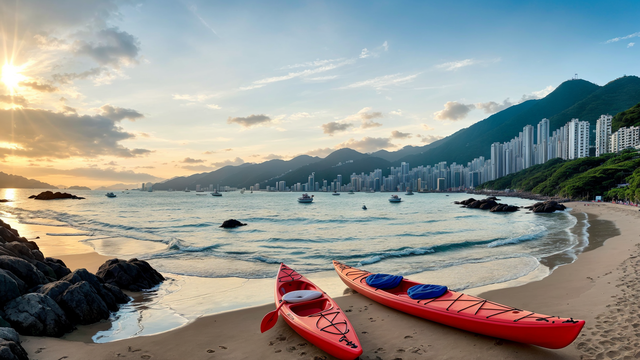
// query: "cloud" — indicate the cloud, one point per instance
point(108, 174)
point(273, 157)
point(320, 152)
point(367, 144)
point(314, 63)
point(453, 111)
point(39, 87)
point(235, 162)
point(538, 94)
point(250, 120)
point(455, 65)
point(334, 127)
point(322, 78)
point(214, 106)
point(396, 112)
point(194, 10)
point(427, 127)
point(630, 44)
point(189, 160)
point(192, 98)
point(302, 73)
point(118, 113)
point(492, 107)
point(44, 133)
point(382, 82)
point(395, 134)
point(93, 73)
point(300, 115)
point(15, 99)
point(112, 163)
point(365, 53)
point(428, 139)
point(198, 167)
point(113, 47)
point(623, 38)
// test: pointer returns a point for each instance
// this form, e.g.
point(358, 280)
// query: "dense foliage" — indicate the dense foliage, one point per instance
point(579, 179)
point(626, 118)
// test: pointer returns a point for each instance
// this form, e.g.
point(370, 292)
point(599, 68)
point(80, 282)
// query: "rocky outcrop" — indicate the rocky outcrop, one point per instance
point(50, 195)
point(132, 275)
point(489, 203)
point(546, 207)
point(82, 304)
point(40, 296)
point(37, 315)
point(231, 224)
point(10, 348)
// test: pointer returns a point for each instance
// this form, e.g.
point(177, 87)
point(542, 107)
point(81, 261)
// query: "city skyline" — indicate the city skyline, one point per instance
point(104, 92)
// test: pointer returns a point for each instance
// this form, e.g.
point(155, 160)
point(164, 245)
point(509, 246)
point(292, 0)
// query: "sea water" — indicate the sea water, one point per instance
point(209, 269)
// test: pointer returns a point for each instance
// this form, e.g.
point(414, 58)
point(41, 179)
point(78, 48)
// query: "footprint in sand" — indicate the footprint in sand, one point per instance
point(222, 347)
point(145, 357)
point(210, 351)
point(408, 337)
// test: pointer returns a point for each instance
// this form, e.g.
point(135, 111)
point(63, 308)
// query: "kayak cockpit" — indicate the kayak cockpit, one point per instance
point(310, 307)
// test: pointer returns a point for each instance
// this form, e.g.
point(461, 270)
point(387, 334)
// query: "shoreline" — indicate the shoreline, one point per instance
point(586, 289)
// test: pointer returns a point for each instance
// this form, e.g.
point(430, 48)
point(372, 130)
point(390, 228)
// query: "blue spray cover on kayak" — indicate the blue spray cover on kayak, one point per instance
point(383, 281)
point(426, 291)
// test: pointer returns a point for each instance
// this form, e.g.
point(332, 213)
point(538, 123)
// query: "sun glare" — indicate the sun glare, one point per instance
point(11, 76)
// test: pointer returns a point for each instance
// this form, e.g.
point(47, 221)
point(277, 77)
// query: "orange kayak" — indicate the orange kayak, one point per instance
point(319, 320)
point(469, 313)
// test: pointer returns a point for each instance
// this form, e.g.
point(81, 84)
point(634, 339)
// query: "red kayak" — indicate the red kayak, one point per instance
point(469, 313)
point(315, 316)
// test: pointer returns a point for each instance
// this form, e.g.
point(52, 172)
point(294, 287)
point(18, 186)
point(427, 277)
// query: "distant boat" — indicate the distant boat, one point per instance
point(364, 207)
point(110, 195)
point(305, 199)
point(335, 193)
point(187, 189)
point(216, 193)
point(372, 191)
point(409, 192)
point(395, 199)
point(350, 192)
point(242, 191)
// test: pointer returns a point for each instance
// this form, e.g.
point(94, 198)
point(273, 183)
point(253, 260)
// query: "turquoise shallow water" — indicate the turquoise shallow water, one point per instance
point(179, 232)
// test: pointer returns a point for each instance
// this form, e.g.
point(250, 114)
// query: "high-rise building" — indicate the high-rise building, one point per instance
point(625, 138)
point(543, 141)
point(578, 139)
point(527, 146)
point(496, 161)
point(603, 134)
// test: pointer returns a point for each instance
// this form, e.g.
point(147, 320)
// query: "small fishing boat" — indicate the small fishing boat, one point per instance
point(335, 193)
point(110, 195)
point(364, 207)
point(313, 314)
point(350, 192)
point(395, 199)
point(466, 312)
point(305, 199)
point(216, 193)
point(409, 192)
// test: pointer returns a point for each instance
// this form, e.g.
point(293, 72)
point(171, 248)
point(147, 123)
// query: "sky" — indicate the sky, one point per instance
point(97, 93)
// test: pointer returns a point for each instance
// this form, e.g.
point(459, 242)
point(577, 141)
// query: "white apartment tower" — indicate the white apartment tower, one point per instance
point(527, 146)
point(625, 138)
point(578, 139)
point(603, 134)
point(543, 141)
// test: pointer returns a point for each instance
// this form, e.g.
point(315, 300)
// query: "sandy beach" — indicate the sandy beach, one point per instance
point(598, 287)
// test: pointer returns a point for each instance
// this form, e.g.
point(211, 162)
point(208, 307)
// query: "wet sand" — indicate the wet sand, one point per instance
point(598, 287)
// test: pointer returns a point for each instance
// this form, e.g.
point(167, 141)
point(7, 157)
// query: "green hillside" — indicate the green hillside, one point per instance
point(572, 99)
point(580, 179)
point(627, 118)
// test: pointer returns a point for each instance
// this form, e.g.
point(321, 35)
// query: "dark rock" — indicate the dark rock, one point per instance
point(231, 223)
point(132, 275)
point(10, 350)
point(493, 198)
point(9, 334)
point(49, 195)
point(60, 270)
point(55, 289)
point(54, 260)
point(46, 270)
point(465, 202)
point(37, 315)
point(24, 270)
point(83, 305)
point(504, 208)
point(83, 275)
point(546, 207)
point(3, 322)
point(9, 288)
point(37, 254)
point(486, 205)
point(22, 287)
point(118, 295)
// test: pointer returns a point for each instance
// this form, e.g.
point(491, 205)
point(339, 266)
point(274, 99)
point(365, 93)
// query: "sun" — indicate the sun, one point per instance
point(11, 76)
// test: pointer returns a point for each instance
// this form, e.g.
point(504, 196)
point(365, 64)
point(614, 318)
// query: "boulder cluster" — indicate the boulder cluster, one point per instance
point(50, 195)
point(41, 296)
point(231, 223)
point(490, 203)
point(546, 207)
